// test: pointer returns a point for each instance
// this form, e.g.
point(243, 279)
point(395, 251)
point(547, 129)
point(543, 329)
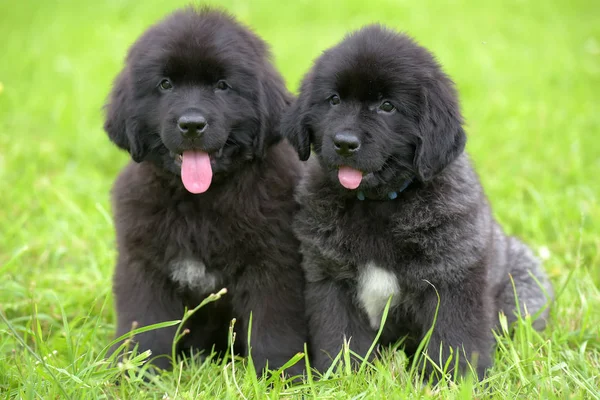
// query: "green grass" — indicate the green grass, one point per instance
point(529, 77)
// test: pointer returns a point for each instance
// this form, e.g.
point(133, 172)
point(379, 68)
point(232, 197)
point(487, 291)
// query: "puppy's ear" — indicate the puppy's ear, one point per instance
point(274, 98)
point(120, 125)
point(442, 138)
point(294, 124)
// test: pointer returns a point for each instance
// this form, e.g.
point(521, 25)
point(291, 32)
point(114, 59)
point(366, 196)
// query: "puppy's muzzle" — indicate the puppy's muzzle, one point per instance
point(346, 143)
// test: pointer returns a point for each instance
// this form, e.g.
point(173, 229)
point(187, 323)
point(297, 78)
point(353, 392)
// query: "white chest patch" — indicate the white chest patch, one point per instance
point(375, 286)
point(192, 274)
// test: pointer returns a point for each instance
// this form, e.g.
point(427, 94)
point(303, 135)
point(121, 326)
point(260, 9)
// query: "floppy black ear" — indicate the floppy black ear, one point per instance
point(442, 138)
point(120, 124)
point(294, 124)
point(274, 98)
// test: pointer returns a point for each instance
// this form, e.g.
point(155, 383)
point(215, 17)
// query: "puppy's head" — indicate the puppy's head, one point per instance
point(198, 96)
point(377, 110)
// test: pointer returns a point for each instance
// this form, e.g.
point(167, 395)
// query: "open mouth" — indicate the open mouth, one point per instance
point(196, 169)
point(351, 178)
point(213, 155)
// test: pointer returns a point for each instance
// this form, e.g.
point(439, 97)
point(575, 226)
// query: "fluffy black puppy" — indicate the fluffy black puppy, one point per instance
point(392, 207)
point(198, 107)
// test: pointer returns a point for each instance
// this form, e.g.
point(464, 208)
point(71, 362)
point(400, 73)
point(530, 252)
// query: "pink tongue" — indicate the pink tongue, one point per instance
point(349, 177)
point(196, 172)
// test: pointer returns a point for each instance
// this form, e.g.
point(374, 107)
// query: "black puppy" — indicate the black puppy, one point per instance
point(208, 202)
point(392, 207)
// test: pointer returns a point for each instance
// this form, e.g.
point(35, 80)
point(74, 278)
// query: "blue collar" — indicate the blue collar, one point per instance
point(391, 195)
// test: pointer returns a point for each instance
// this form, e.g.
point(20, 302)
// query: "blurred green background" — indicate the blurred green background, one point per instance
point(528, 73)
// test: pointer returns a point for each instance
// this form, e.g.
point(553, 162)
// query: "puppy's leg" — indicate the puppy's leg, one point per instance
point(526, 271)
point(275, 299)
point(463, 326)
point(333, 317)
point(141, 300)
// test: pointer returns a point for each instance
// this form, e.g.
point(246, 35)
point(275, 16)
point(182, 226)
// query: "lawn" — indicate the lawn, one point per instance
point(528, 73)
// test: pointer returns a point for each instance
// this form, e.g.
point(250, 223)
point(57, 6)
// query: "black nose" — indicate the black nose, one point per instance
point(192, 125)
point(346, 143)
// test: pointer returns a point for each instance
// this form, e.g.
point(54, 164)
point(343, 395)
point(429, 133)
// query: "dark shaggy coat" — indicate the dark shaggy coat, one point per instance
point(418, 225)
point(175, 247)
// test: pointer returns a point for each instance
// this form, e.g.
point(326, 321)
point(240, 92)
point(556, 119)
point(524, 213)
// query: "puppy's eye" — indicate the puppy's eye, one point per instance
point(222, 85)
point(165, 84)
point(387, 107)
point(335, 100)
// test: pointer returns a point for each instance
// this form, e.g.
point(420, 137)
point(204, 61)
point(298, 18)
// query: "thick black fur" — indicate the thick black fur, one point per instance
point(175, 248)
point(437, 238)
